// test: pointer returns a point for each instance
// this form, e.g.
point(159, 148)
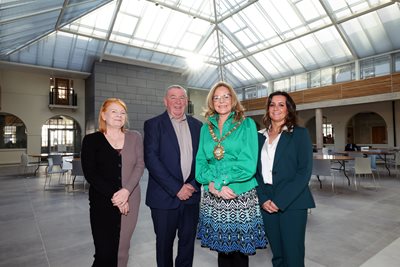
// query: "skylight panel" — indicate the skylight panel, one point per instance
point(125, 24)
point(271, 63)
point(283, 15)
point(209, 51)
point(189, 41)
point(95, 23)
point(358, 38)
point(303, 51)
point(286, 56)
point(249, 68)
point(254, 17)
point(238, 71)
point(310, 10)
point(333, 45)
point(246, 37)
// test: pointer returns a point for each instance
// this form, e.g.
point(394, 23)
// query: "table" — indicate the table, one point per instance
point(42, 157)
point(382, 154)
point(341, 159)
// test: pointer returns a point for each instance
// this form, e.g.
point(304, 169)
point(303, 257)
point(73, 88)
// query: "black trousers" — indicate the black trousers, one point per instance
point(234, 259)
point(105, 221)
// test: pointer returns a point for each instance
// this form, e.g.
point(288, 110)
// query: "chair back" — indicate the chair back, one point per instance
point(56, 160)
point(321, 167)
point(67, 163)
point(51, 165)
point(76, 168)
point(362, 166)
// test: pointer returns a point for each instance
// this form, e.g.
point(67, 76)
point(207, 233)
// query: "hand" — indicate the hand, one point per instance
point(227, 193)
point(212, 189)
point(120, 197)
point(124, 209)
point(270, 206)
point(186, 192)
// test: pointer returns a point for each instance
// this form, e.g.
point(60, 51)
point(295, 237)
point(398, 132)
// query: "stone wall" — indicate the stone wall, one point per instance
point(142, 89)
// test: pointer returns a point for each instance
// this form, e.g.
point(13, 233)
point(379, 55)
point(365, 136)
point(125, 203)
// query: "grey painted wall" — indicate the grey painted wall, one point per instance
point(142, 89)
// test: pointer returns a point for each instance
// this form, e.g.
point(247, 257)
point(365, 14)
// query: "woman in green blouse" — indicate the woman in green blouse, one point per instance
point(230, 219)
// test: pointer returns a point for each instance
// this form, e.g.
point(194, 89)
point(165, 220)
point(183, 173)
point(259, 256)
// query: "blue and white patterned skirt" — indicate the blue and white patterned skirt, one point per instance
point(232, 225)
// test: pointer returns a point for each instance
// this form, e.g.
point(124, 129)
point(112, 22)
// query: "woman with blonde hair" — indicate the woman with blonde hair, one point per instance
point(230, 218)
point(112, 162)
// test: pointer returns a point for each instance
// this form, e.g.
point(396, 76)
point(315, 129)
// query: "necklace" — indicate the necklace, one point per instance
point(116, 142)
point(219, 150)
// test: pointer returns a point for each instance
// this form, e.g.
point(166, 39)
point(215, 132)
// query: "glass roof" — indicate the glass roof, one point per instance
point(244, 42)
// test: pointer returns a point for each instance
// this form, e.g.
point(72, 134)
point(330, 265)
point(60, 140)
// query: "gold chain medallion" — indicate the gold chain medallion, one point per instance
point(219, 150)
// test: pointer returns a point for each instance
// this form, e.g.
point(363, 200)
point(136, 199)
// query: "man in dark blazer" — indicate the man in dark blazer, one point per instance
point(173, 195)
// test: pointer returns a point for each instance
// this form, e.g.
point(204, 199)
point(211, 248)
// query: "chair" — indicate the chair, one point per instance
point(77, 171)
point(374, 166)
point(322, 167)
point(53, 169)
point(67, 165)
point(25, 164)
point(57, 159)
point(362, 167)
point(350, 163)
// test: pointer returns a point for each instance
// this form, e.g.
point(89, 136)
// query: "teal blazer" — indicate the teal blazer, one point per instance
point(291, 171)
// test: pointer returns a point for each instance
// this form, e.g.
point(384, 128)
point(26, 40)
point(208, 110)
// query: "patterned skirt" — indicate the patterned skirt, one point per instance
point(232, 225)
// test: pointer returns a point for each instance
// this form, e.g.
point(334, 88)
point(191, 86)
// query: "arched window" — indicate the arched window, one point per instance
point(61, 134)
point(12, 132)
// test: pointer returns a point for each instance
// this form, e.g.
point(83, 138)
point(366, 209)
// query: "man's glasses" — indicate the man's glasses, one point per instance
point(222, 98)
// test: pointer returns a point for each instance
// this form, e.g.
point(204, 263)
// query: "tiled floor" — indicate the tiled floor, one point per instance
point(51, 228)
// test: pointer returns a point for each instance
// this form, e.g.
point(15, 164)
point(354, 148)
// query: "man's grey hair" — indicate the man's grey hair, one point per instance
point(175, 86)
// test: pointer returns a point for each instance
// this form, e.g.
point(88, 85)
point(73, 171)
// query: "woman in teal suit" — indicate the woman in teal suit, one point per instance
point(283, 172)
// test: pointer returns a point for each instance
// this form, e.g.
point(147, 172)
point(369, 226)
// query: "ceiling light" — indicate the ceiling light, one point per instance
point(195, 61)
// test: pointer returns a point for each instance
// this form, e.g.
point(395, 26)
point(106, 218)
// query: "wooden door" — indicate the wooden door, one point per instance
point(379, 135)
point(62, 91)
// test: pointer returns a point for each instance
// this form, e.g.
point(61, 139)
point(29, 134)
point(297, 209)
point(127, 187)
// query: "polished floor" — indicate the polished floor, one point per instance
point(51, 228)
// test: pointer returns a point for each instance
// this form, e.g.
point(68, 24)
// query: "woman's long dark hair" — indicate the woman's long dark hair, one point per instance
point(291, 117)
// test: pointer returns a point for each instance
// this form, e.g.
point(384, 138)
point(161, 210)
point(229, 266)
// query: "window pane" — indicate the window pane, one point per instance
point(262, 91)
point(397, 62)
point(382, 66)
point(301, 81)
point(367, 68)
point(315, 78)
point(344, 73)
point(12, 132)
point(251, 93)
point(282, 85)
point(326, 76)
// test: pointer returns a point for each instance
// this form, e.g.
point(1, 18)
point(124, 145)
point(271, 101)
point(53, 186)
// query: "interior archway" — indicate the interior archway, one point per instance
point(366, 128)
point(61, 134)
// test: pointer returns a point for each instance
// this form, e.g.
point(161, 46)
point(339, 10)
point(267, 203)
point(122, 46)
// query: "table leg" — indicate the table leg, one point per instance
point(38, 165)
point(343, 163)
point(386, 166)
point(320, 183)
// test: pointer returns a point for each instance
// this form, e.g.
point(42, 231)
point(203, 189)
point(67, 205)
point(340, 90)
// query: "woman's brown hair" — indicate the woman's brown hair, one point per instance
point(291, 117)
